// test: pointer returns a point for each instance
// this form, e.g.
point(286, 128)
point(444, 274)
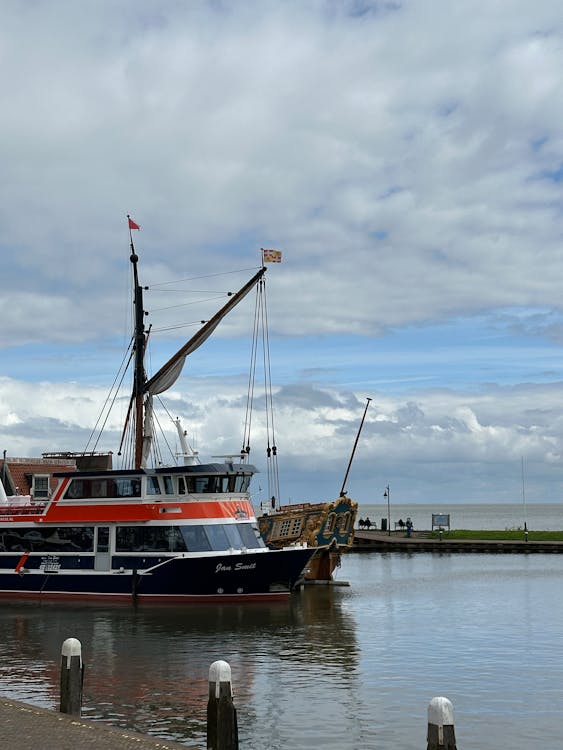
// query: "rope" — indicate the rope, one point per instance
point(261, 336)
point(108, 397)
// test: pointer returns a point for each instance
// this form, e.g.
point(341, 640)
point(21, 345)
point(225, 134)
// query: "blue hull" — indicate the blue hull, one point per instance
point(239, 577)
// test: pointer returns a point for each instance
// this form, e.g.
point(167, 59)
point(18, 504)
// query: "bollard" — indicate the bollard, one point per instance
point(72, 677)
point(222, 728)
point(441, 731)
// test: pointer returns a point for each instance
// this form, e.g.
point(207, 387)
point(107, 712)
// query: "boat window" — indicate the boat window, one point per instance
point(233, 536)
point(153, 486)
point(48, 539)
point(241, 483)
point(168, 485)
point(251, 539)
point(79, 489)
point(195, 538)
point(290, 527)
point(128, 487)
point(217, 537)
point(201, 484)
point(181, 486)
point(149, 539)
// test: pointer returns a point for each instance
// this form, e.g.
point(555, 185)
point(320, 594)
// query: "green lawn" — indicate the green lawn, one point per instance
point(533, 536)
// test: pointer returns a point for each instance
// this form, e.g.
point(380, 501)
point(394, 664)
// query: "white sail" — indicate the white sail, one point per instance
point(147, 432)
point(169, 373)
point(166, 378)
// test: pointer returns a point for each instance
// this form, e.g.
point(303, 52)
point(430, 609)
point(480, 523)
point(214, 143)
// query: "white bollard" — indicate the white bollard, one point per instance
point(441, 731)
point(72, 677)
point(222, 727)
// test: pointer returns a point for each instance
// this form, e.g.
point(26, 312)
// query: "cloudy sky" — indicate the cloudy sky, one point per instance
point(405, 155)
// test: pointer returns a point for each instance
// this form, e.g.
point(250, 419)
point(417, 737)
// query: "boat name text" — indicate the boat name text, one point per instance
point(238, 566)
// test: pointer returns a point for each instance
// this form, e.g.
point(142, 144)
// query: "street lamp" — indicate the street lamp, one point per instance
point(387, 494)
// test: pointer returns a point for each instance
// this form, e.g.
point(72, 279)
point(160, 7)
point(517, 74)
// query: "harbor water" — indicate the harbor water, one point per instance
point(335, 667)
point(538, 516)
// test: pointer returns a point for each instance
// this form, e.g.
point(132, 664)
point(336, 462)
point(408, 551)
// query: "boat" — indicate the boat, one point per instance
point(326, 526)
point(180, 533)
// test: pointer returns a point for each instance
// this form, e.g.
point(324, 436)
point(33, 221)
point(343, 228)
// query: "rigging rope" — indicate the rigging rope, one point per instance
point(105, 407)
point(261, 336)
point(251, 379)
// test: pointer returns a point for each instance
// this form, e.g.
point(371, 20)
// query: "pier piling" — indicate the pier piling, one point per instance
point(222, 727)
point(72, 677)
point(441, 731)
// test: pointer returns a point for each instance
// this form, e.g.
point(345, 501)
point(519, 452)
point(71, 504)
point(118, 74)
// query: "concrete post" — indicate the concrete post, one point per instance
point(72, 677)
point(441, 731)
point(222, 727)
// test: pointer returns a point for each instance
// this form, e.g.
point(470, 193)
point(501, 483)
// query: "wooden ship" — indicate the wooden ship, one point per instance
point(326, 526)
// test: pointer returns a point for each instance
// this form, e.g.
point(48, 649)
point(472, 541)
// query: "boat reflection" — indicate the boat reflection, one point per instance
point(147, 668)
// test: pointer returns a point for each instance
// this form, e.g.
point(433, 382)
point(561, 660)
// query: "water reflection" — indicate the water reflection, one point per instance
point(147, 667)
point(333, 668)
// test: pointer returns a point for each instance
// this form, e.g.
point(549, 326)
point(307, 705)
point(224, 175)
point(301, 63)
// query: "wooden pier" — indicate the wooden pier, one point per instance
point(382, 541)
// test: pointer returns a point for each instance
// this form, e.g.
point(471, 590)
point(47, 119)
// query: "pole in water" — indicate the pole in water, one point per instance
point(222, 727)
point(72, 677)
point(441, 731)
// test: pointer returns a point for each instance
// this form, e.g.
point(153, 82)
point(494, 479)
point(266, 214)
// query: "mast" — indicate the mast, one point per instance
point(139, 372)
point(343, 491)
point(143, 389)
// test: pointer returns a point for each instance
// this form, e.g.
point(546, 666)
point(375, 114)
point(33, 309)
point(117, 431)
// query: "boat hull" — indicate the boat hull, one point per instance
point(251, 576)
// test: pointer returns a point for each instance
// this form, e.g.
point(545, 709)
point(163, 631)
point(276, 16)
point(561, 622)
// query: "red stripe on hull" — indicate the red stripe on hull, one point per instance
point(92, 512)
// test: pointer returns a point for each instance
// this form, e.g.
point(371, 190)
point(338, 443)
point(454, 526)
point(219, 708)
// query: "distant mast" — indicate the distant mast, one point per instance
point(343, 490)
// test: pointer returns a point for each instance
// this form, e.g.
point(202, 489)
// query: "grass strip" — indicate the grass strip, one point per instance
point(508, 534)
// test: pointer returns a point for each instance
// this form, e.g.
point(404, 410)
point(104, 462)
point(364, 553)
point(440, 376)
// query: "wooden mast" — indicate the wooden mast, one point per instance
point(343, 490)
point(142, 386)
point(139, 346)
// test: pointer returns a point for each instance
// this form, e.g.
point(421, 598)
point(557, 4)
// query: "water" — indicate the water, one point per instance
point(348, 667)
point(538, 516)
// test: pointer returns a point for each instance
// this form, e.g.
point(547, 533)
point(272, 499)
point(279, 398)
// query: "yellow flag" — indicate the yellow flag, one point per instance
point(271, 256)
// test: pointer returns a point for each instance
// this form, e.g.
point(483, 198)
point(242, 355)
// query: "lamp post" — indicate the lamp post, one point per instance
point(387, 494)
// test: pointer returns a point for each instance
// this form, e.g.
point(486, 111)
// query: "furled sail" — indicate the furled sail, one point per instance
point(169, 373)
point(147, 432)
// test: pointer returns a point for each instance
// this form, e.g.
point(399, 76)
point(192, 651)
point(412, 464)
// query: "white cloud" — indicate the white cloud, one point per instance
point(406, 157)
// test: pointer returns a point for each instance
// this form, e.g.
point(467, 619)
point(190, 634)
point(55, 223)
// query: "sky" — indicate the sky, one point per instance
point(405, 156)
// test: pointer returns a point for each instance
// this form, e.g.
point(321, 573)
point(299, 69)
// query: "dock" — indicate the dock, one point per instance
point(25, 726)
point(382, 541)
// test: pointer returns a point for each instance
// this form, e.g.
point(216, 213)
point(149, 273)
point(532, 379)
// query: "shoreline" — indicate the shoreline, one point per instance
point(382, 541)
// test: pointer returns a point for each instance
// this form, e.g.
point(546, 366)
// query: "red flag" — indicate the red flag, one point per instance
point(132, 224)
